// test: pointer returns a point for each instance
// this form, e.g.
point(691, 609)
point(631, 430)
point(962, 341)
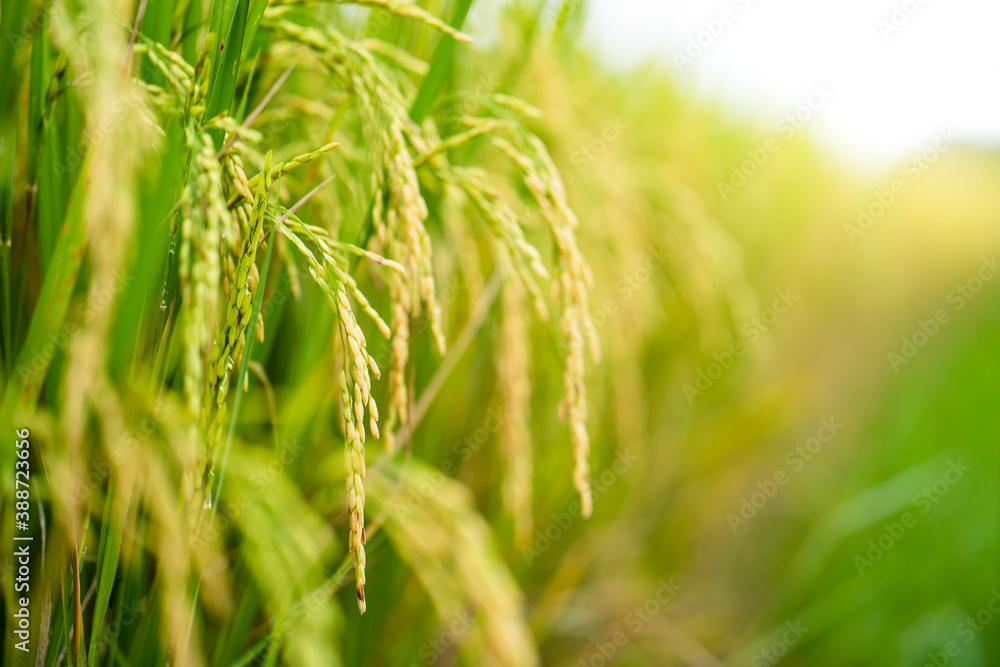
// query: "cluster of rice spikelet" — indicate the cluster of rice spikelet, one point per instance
point(527, 262)
point(355, 382)
point(246, 572)
point(399, 227)
point(205, 215)
point(412, 11)
point(222, 222)
point(448, 545)
point(399, 213)
point(358, 367)
point(398, 209)
point(575, 282)
point(354, 471)
point(229, 340)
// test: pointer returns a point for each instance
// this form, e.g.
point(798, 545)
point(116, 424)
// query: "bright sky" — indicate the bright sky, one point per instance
point(894, 85)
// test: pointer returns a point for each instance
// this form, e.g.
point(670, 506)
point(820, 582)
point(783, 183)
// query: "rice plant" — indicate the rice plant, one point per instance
point(373, 333)
point(179, 167)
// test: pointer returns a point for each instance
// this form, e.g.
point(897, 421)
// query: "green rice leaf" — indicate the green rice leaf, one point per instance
point(107, 565)
point(256, 13)
point(441, 62)
point(25, 382)
point(230, 52)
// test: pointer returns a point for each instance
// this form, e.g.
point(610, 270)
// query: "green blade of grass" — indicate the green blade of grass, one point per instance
point(256, 13)
point(6, 218)
point(25, 381)
point(156, 25)
point(51, 194)
point(64, 609)
point(242, 106)
point(107, 565)
point(38, 87)
point(192, 28)
point(222, 18)
point(144, 288)
point(223, 88)
point(276, 636)
point(15, 20)
point(16, 26)
point(441, 62)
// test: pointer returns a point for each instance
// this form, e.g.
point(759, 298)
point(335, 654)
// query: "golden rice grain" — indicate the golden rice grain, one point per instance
point(229, 340)
point(574, 281)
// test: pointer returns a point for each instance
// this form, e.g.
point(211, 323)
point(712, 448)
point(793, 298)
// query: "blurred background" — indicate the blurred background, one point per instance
point(843, 154)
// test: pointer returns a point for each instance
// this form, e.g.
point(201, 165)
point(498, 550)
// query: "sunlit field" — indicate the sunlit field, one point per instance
point(397, 334)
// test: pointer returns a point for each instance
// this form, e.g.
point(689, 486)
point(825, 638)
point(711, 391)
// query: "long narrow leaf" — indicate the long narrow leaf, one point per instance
point(230, 52)
point(25, 381)
point(107, 564)
point(444, 56)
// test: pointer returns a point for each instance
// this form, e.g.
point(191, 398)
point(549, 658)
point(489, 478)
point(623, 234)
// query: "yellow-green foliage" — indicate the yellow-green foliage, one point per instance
point(236, 234)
